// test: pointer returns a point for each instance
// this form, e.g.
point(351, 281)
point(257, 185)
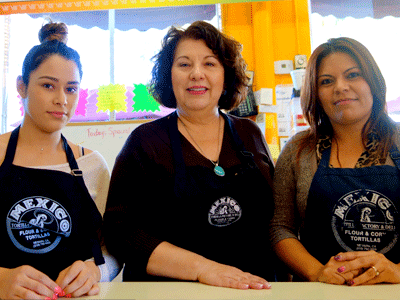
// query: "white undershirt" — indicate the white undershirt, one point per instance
point(96, 176)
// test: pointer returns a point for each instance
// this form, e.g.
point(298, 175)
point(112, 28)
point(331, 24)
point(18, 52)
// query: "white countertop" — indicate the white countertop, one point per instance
point(280, 290)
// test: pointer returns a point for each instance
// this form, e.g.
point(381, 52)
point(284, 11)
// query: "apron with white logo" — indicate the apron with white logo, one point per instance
point(223, 218)
point(353, 210)
point(50, 220)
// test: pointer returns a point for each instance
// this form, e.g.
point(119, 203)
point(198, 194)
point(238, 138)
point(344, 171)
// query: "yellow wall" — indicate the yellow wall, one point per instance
point(269, 31)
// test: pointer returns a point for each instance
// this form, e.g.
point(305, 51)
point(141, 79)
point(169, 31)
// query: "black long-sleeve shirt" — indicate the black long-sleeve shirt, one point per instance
point(141, 205)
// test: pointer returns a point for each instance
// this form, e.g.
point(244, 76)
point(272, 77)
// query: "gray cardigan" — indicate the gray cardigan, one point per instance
point(291, 184)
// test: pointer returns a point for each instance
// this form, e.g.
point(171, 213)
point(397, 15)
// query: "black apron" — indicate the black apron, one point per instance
point(50, 218)
point(353, 210)
point(224, 219)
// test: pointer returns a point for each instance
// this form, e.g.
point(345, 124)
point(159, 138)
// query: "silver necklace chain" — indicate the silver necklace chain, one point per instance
point(187, 130)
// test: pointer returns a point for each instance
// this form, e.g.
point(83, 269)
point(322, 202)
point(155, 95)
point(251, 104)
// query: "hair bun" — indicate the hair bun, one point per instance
point(53, 31)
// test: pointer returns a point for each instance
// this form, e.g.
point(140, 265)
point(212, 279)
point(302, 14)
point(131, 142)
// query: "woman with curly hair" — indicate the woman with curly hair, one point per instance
point(199, 171)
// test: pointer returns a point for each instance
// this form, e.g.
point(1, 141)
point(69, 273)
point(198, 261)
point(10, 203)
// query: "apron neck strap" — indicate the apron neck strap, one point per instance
point(179, 163)
point(232, 131)
point(71, 159)
point(9, 158)
point(395, 156)
point(326, 154)
point(12, 147)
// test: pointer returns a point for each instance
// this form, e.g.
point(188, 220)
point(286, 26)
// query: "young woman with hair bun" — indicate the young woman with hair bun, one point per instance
point(53, 191)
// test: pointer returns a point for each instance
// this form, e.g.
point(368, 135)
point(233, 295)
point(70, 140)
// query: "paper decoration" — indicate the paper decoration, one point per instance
point(111, 97)
point(82, 102)
point(92, 113)
point(91, 110)
point(48, 6)
point(143, 101)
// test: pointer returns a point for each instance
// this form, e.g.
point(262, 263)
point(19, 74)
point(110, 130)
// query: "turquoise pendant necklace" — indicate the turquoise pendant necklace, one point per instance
point(218, 170)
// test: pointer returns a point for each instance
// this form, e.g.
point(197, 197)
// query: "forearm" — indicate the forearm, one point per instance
point(297, 258)
point(168, 260)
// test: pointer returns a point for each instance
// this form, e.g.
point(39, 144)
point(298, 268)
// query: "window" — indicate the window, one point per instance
point(136, 36)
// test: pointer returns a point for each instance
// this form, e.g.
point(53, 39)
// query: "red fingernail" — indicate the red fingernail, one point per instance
point(55, 297)
point(62, 293)
point(57, 290)
point(68, 296)
point(341, 269)
point(337, 257)
point(47, 298)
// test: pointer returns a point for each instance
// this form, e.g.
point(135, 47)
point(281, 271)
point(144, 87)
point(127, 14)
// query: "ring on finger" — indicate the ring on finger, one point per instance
point(376, 271)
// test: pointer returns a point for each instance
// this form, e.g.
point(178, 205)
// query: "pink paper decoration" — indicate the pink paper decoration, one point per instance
point(82, 102)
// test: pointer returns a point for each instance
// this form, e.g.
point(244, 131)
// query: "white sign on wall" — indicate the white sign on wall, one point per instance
point(106, 137)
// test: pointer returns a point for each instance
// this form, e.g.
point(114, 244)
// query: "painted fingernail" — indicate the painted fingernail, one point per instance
point(57, 290)
point(350, 283)
point(47, 298)
point(337, 257)
point(55, 297)
point(341, 269)
point(68, 296)
point(62, 293)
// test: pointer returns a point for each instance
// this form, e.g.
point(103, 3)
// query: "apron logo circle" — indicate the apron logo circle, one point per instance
point(225, 211)
point(365, 220)
point(37, 224)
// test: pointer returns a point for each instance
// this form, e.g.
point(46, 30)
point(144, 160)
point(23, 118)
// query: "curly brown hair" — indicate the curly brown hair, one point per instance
point(227, 50)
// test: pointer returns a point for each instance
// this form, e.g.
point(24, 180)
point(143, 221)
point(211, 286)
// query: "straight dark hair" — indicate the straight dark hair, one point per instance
point(52, 37)
point(379, 121)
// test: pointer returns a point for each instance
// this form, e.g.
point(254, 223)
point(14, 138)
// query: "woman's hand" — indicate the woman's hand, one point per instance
point(80, 279)
point(25, 282)
point(171, 261)
point(332, 272)
point(375, 266)
point(213, 273)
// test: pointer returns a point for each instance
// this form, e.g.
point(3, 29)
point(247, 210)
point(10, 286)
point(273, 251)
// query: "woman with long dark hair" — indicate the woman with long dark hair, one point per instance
point(337, 185)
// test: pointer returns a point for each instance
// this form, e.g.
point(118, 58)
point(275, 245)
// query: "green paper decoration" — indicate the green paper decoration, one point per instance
point(143, 101)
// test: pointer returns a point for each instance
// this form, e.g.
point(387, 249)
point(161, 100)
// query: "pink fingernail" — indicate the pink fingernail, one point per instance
point(341, 269)
point(62, 293)
point(55, 297)
point(57, 290)
point(337, 257)
point(260, 285)
point(47, 298)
